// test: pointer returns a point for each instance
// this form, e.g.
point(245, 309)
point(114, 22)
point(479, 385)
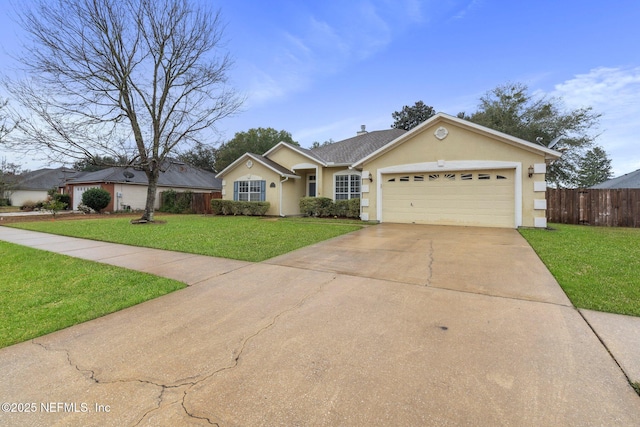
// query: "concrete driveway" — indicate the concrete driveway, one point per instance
point(390, 325)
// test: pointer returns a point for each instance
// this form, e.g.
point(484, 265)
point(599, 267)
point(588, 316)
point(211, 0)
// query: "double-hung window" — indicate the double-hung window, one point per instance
point(249, 191)
point(347, 187)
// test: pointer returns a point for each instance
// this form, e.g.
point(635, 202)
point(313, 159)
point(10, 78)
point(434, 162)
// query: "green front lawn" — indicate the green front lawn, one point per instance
point(9, 209)
point(42, 292)
point(242, 238)
point(598, 267)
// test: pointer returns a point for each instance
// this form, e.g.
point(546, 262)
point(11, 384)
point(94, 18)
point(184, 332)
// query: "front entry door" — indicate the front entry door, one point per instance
point(311, 179)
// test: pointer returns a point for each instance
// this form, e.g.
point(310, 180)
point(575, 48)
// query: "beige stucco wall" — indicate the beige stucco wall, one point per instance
point(19, 197)
point(301, 165)
point(256, 172)
point(328, 179)
point(461, 144)
point(293, 189)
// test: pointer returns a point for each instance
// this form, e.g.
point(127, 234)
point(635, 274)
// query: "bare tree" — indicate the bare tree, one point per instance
point(4, 127)
point(114, 78)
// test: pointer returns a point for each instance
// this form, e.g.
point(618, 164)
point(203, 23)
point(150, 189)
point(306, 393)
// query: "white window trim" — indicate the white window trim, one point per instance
point(309, 181)
point(460, 165)
point(346, 172)
point(249, 192)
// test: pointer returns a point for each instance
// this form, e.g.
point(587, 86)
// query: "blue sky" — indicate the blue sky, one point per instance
point(320, 69)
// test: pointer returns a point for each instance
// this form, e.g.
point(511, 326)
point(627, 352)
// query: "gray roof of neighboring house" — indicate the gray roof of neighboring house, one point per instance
point(177, 174)
point(353, 149)
point(629, 180)
point(44, 179)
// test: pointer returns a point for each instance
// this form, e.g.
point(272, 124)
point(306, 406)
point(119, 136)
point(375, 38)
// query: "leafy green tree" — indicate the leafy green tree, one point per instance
point(593, 168)
point(135, 77)
point(9, 180)
point(96, 163)
point(256, 141)
point(317, 144)
point(200, 156)
point(511, 109)
point(96, 198)
point(410, 117)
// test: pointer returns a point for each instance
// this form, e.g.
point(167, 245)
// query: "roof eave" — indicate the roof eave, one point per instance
point(512, 140)
point(257, 159)
point(293, 148)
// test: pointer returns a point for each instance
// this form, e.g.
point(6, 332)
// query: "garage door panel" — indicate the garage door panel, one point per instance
point(448, 199)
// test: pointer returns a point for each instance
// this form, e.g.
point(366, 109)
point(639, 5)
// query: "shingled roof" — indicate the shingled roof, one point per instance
point(350, 150)
point(176, 174)
point(629, 180)
point(44, 179)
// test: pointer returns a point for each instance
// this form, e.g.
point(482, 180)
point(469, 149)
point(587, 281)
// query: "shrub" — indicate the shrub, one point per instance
point(230, 207)
point(54, 205)
point(325, 207)
point(317, 206)
point(96, 198)
point(5, 202)
point(174, 202)
point(29, 206)
point(62, 198)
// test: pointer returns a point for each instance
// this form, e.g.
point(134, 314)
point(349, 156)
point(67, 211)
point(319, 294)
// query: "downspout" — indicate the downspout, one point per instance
point(286, 178)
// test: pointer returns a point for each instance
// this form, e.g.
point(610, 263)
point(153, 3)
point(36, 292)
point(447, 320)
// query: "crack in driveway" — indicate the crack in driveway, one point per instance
point(163, 394)
point(430, 264)
point(236, 359)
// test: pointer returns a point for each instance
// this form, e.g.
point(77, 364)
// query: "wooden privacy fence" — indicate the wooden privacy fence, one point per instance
point(603, 207)
point(201, 202)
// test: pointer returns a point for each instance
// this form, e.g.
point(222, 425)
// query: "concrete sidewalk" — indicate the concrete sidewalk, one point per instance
point(398, 325)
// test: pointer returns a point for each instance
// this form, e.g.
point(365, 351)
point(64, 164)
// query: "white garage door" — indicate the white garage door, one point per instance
point(480, 198)
point(78, 191)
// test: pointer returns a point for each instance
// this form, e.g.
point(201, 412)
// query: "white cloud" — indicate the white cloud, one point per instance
point(614, 88)
point(615, 93)
point(327, 42)
point(466, 8)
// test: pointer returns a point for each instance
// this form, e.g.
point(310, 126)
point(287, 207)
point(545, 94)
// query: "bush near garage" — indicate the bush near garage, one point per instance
point(96, 198)
point(325, 207)
point(58, 199)
point(230, 207)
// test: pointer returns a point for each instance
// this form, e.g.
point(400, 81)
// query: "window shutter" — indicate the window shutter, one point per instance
point(236, 185)
point(263, 188)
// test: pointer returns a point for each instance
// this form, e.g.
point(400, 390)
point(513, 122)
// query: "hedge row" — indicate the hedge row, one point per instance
point(178, 203)
point(325, 207)
point(230, 207)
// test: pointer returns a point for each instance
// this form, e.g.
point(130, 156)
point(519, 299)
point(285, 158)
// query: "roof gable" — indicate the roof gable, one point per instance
point(300, 150)
point(445, 118)
point(268, 163)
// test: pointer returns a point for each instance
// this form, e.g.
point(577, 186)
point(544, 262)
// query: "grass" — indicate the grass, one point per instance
point(242, 238)
point(42, 292)
point(596, 266)
point(7, 209)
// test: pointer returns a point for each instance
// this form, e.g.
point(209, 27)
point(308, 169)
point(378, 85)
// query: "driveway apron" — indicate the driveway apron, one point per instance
point(389, 325)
